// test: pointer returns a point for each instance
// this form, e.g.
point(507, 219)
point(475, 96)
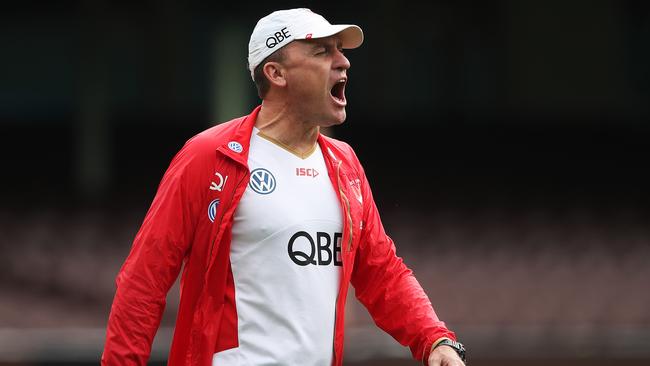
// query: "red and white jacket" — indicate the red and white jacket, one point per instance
point(177, 229)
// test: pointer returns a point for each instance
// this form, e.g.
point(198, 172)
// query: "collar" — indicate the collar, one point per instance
point(238, 147)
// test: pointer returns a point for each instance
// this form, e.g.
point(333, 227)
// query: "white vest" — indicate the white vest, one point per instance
point(286, 260)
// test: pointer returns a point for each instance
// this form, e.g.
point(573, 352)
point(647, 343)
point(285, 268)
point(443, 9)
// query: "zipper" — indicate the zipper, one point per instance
point(346, 206)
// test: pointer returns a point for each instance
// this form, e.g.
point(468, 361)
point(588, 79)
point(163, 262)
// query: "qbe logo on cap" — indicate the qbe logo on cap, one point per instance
point(277, 38)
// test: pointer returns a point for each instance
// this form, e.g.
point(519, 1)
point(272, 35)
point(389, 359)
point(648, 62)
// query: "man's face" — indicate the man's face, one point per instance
point(316, 73)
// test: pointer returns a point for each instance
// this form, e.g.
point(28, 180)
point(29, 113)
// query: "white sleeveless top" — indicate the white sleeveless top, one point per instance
point(286, 260)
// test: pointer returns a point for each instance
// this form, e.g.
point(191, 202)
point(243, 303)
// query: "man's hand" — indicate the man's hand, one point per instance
point(444, 356)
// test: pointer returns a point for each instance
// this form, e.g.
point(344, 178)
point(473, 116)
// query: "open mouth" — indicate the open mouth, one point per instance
point(338, 91)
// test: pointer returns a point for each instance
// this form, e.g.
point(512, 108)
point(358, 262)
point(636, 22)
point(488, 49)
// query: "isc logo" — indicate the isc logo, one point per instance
point(277, 38)
point(304, 250)
point(306, 172)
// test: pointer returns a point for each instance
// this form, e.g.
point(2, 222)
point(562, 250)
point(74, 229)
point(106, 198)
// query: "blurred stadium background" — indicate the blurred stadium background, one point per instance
point(506, 142)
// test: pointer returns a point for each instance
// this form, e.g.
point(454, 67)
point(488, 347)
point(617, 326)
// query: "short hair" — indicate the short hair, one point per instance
point(261, 82)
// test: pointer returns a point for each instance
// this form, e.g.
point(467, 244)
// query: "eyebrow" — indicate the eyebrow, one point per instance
point(317, 44)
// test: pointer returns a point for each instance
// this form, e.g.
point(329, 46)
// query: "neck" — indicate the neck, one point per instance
point(278, 122)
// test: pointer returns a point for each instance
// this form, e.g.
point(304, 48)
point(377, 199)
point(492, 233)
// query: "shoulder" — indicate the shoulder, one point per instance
point(338, 146)
point(208, 140)
point(199, 153)
point(342, 150)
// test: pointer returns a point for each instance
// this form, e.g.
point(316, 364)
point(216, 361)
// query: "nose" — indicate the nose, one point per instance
point(340, 61)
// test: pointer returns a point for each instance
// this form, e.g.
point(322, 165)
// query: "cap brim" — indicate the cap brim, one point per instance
point(351, 35)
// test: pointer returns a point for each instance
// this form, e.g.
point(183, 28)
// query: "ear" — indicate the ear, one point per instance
point(275, 73)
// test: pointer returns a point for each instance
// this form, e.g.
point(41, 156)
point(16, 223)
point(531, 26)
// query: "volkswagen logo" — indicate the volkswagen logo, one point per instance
point(262, 181)
point(212, 209)
point(235, 146)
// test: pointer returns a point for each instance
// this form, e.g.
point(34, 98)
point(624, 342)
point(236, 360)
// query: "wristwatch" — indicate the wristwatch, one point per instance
point(457, 346)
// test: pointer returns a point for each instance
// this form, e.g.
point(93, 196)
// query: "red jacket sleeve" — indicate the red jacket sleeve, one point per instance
point(152, 266)
point(388, 289)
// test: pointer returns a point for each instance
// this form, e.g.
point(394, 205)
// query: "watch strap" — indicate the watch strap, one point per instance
point(457, 346)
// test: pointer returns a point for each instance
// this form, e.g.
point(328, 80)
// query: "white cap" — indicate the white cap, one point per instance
point(279, 28)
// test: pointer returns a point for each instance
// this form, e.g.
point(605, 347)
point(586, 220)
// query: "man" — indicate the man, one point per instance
point(273, 221)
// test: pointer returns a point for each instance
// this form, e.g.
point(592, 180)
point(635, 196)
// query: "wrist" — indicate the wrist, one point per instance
point(458, 347)
point(437, 342)
point(425, 360)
